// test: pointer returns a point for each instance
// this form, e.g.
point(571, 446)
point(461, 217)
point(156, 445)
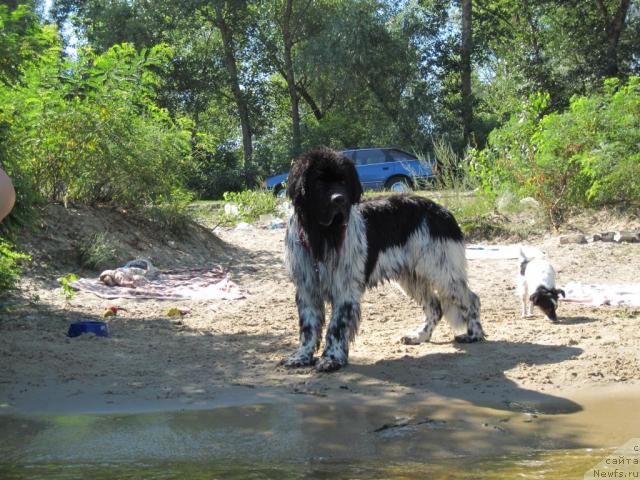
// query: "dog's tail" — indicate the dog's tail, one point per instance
point(454, 317)
point(459, 314)
point(524, 260)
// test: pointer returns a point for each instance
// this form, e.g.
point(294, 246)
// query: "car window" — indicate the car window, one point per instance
point(399, 156)
point(371, 156)
point(350, 154)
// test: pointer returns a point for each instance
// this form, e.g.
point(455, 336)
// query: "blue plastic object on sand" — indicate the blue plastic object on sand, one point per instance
point(86, 326)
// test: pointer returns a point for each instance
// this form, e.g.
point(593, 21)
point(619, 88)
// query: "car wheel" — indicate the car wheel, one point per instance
point(399, 185)
point(280, 191)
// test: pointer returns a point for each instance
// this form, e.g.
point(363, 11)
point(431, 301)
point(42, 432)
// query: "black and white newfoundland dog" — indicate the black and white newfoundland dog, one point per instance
point(336, 246)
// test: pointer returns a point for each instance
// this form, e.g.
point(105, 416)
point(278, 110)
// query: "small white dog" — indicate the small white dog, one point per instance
point(537, 286)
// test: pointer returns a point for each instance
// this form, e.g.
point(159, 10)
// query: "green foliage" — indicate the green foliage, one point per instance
point(454, 171)
point(251, 204)
point(367, 73)
point(21, 40)
point(23, 43)
point(216, 167)
point(65, 286)
point(587, 155)
point(97, 251)
point(89, 130)
point(9, 265)
point(172, 213)
point(356, 66)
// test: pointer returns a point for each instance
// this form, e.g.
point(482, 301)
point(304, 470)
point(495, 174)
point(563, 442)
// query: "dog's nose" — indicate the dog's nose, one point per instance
point(338, 199)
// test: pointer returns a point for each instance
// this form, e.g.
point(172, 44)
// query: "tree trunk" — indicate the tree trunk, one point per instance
point(290, 77)
point(303, 93)
point(306, 96)
point(613, 27)
point(241, 102)
point(467, 46)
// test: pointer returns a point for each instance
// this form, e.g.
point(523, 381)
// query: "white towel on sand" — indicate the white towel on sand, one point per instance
point(501, 252)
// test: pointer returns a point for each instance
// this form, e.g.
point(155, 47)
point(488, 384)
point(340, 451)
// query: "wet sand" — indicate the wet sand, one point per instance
point(264, 426)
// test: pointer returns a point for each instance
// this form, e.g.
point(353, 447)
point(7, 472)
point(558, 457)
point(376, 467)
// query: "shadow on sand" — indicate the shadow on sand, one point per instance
point(456, 375)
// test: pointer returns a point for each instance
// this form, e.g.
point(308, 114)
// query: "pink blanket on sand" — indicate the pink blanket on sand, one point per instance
point(597, 295)
point(193, 284)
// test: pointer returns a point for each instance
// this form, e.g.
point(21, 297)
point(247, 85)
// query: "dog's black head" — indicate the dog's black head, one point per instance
point(547, 300)
point(323, 185)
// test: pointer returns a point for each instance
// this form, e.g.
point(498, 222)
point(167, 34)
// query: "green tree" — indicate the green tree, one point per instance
point(228, 19)
point(210, 69)
point(89, 130)
point(560, 47)
point(465, 60)
point(21, 39)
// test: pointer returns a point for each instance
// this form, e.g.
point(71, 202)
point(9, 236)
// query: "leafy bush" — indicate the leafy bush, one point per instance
point(65, 286)
point(97, 252)
point(89, 131)
point(173, 214)
point(9, 265)
point(216, 167)
point(453, 171)
point(587, 155)
point(21, 40)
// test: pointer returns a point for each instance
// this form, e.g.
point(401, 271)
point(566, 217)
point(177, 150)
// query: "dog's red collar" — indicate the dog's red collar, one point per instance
point(303, 240)
point(343, 234)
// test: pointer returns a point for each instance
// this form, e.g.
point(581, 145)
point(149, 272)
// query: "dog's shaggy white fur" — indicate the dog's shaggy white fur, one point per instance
point(336, 246)
point(537, 286)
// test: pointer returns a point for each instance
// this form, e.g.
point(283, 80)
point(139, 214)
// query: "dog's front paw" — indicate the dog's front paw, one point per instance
point(466, 338)
point(329, 364)
point(298, 361)
point(411, 339)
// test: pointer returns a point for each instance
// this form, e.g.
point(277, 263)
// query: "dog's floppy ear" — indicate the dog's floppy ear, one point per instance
point(534, 297)
point(540, 293)
point(353, 181)
point(297, 180)
point(357, 189)
point(559, 291)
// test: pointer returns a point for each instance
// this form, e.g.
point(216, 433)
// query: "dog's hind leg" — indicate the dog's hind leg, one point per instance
point(446, 269)
point(463, 309)
point(311, 314)
point(422, 293)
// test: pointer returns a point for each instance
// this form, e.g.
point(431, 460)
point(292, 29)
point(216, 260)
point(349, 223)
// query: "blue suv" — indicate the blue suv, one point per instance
point(378, 168)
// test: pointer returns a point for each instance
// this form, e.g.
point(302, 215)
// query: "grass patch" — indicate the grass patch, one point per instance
point(246, 206)
point(173, 218)
point(480, 220)
point(173, 214)
point(207, 204)
point(206, 212)
point(476, 213)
